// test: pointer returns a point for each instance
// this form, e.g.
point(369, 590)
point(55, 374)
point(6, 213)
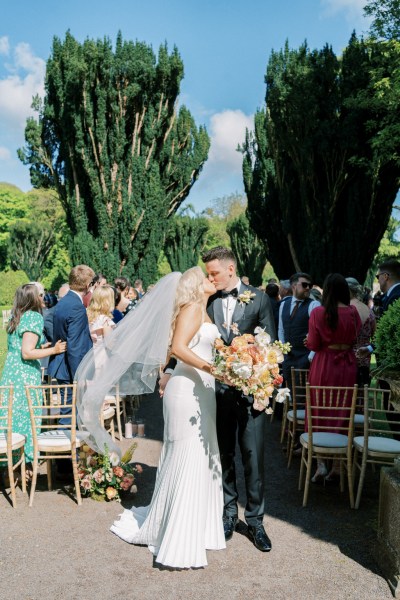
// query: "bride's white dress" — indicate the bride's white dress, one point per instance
point(184, 518)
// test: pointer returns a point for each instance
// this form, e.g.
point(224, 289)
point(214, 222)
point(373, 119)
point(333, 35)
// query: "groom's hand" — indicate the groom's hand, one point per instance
point(165, 377)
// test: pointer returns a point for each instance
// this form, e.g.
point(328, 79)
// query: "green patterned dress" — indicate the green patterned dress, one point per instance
point(20, 372)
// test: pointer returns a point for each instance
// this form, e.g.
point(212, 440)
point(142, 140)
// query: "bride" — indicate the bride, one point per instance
point(184, 518)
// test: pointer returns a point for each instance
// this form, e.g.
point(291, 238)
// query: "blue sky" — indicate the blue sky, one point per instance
point(224, 45)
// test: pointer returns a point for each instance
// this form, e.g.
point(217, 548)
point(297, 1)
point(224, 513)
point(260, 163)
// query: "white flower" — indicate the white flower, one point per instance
point(246, 297)
point(243, 370)
point(282, 394)
point(262, 337)
point(114, 459)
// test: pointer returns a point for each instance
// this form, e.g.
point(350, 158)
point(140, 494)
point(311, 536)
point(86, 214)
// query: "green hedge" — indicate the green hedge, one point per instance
point(9, 282)
point(387, 339)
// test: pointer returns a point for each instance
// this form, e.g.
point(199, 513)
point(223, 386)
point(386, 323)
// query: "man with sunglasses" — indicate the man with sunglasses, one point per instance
point(294, 313)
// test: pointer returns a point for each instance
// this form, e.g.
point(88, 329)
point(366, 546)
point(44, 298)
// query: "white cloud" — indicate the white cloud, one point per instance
point(353, 9)
point(227, 130)
point(25, 79)
point(4, 45)
point(5, 153)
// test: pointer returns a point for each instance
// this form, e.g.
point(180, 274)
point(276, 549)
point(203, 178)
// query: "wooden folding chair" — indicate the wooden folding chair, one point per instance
point(113, 400)
point(330, 424)
point(11, 442)
point(297, 415)
point(50, 439)
point(377, 446)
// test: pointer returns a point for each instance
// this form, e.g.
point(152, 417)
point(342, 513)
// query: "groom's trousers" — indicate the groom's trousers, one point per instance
point(236, 417)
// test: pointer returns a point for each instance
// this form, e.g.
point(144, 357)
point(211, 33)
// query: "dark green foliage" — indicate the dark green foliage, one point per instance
point(320, 185)
point(185, 241)
point(110, 141)
point(387, 339)
point(248, 249)
point(14, 205)
point(386, 18)
point(29, 247)
point(9, 282)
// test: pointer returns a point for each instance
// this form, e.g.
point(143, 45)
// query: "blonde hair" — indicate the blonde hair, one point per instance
point(189, 291)
point(101, 303)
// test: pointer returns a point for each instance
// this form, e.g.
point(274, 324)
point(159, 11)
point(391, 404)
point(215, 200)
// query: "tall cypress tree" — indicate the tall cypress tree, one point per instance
point(248, 249)
point(185, 241)
point(319, 182)
point(110, 140)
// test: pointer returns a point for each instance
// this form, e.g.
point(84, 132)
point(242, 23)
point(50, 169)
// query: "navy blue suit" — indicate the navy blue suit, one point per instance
point(70, 324)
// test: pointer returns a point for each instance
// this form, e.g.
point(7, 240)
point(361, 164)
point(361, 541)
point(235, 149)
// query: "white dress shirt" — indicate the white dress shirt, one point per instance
point(228, 306)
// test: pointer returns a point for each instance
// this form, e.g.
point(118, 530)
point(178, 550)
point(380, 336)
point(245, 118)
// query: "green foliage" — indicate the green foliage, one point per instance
point(388, 248)
point(222, 211)
point(9, 282)
point(185, 241)
point(14, 205)
point(29, 247)
point(109, 140)
point(387, 339)
point(248, 249)
point(321, 170)
point(386, 18)
point(163, 266)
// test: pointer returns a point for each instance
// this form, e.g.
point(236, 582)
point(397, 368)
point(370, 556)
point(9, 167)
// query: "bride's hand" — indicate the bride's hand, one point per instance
point(165, 377)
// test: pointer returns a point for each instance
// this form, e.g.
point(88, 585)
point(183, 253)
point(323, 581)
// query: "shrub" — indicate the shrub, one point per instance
point(387, 339)
point(9, 281)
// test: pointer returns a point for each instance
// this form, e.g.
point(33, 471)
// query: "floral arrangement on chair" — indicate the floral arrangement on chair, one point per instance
point(251, 364)
point(103, 476)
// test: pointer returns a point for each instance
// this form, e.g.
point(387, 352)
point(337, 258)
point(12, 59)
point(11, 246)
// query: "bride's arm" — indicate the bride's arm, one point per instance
point(188, 323)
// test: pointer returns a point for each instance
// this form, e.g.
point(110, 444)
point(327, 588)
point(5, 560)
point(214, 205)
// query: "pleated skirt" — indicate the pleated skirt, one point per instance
point(184, 518)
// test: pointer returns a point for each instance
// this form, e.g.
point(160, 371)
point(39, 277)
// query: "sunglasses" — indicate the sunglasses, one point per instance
point(305, 285)
point(383, 273)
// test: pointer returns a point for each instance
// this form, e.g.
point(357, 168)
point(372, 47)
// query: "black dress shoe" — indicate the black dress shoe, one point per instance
point(230, 524)
point(259, 538)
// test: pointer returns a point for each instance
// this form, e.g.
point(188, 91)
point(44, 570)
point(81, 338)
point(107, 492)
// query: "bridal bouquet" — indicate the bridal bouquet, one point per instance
point(251, 364)
point(103, 476)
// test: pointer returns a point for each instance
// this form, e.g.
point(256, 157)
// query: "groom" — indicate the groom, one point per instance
point(237, 308)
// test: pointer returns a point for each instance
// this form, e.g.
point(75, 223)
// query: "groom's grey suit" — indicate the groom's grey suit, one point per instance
point(235, 414)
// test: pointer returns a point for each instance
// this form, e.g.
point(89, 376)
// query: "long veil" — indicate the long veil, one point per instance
point(130, 356)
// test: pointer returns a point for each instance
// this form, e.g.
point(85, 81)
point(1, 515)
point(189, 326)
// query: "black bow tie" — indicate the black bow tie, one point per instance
point(233, 293)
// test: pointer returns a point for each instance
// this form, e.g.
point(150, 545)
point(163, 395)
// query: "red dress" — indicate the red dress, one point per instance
point(333, 367)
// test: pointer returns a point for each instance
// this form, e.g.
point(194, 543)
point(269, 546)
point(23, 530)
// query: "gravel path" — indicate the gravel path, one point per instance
point(56, 550)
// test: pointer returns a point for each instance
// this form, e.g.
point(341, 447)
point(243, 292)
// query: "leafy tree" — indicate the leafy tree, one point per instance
point(320, 180)
point(9, 282)
point(221, 211)
point(14, 205)
point(388, 248)
point(110, 141)
point(386, 18)
point(185, 241)
point(248, 249)
point(30, 244)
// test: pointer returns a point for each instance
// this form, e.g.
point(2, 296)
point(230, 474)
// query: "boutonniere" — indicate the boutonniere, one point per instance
point(246, 297)
point(234, 328)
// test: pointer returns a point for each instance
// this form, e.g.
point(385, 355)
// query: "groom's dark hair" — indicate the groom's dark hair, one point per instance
point(219, 253)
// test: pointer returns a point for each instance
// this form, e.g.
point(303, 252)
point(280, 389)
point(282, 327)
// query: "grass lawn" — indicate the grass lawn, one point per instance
point(3, 348)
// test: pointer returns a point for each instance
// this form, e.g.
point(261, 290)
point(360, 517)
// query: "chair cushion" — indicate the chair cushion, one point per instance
point(17, 440)
point(378, 444)
point(56, 437)
point(324, 439)
point(359, 419)
point(301, 415)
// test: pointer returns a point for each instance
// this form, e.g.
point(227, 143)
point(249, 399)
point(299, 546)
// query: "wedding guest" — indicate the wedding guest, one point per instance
point(285, 289)
point(116, 314)
point(272, 290)
point(26, 346)
point(332, 332)
point(138, 285)
point(123, 285)
point(48, 319)
point(98, 281)
point(366, 332)
point(245, 280)
point(71, 325)
point(99, 313)
point(133, 295)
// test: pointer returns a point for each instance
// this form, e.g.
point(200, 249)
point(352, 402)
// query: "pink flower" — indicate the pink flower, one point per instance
point(111, 493)
point(98, 475)
point(127, 482)
point(118, 471)
point(86, 483)
point(139, 468)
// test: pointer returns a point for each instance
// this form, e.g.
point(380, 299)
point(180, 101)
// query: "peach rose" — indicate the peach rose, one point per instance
point(127, 481)
point(139, 468)
point(118, 471)
point(111, 493)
